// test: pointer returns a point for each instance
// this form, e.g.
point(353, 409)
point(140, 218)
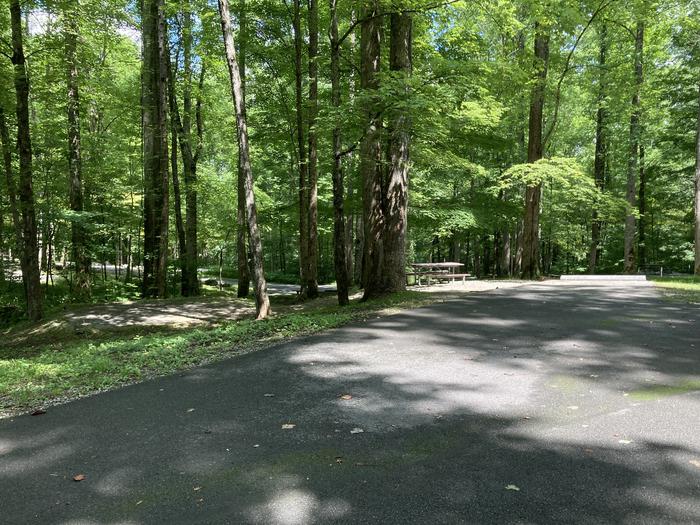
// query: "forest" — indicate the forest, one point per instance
point(147, 145)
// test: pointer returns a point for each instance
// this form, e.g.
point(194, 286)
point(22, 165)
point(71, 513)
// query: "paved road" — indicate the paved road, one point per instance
point(552, 403)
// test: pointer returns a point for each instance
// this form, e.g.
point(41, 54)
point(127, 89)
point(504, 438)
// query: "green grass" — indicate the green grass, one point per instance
point(660, 391)
point(683, 288)
point(32, 377)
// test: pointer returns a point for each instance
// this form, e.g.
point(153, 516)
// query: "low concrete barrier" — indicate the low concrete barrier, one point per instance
point(603, 277)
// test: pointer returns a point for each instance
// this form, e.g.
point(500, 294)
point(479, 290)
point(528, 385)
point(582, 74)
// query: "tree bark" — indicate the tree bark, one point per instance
point(396, 198)
point(177, 198)
point(30, 247)
point(10, 181)
point(155, 148)
point(241, 247)
point(301, 153)
point(262, 301)
point(642, 207)
point(370, 151)
point(81, 259)
point(531, 222)
point(182, 129)
point(601, 147)
point(312, 188)
point(339, 231)
point(697, 192)
point(630, 263)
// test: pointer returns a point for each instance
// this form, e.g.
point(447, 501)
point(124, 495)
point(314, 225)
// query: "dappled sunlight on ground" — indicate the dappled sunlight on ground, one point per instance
point(544, 404)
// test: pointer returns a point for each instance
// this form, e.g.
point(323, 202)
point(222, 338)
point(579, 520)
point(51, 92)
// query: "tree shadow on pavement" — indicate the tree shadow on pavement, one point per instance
point(481, 410)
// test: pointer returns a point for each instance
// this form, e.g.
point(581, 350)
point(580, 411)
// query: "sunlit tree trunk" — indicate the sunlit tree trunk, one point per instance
point(81, 259)
point(241, 245)
point(600, 147)
point(370, 151)
point(301, 153)
point(30, 246)
point(697, 192)
point(630, 263)
point(339, 230)
point(312, 187)
point(396, 198)
point(262, 301)
point(155, 148)
point(531, 221)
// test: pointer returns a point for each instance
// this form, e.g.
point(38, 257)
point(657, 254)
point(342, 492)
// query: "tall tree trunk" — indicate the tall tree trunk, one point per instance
point(190, 156)
point(301, 152)
point(81, 259)
point(630, 263)
point(312, 187)
point(531, 222)
point(241, 246)
point(601, 146)
point(177, 198)
point(30, 246)
point(642, 205)
point(10, 181)
point(697, 192)
point(262, 301)
point(396, 198)
point(339, 231)
point(155, 148)
point(370, 151)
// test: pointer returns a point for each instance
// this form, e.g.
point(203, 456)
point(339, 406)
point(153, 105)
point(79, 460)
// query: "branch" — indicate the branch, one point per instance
point(567, 68)
point(387, 13)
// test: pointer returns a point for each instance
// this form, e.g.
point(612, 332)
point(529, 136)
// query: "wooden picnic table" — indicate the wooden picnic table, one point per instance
point(439, 271)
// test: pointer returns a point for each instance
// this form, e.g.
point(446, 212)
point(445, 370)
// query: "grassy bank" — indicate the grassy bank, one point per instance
point(31, 377)
point(681, 288)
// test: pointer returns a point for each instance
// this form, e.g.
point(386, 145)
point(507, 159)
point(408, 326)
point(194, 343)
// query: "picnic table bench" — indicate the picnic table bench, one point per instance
point(444, 271)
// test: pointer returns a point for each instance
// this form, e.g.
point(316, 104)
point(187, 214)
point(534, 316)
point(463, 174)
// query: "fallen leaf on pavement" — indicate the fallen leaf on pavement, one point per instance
point(512, 487)
point(79, 477)
point(288, 426)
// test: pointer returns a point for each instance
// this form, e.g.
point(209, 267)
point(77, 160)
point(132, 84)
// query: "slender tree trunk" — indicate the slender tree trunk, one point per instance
point(533, 194)
point(370, 151)
point(601, 147)
point(262, 301)
point(339, 231)
point(10, 181)
point(312, 187)
point(179, 225)
point(81, 259)
point(30, 247)
point(697, 192)
point(396, 199)
point(642, 205)
point(630, 263)
point(241, 246)
point(155, 148)
point(301, 152)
